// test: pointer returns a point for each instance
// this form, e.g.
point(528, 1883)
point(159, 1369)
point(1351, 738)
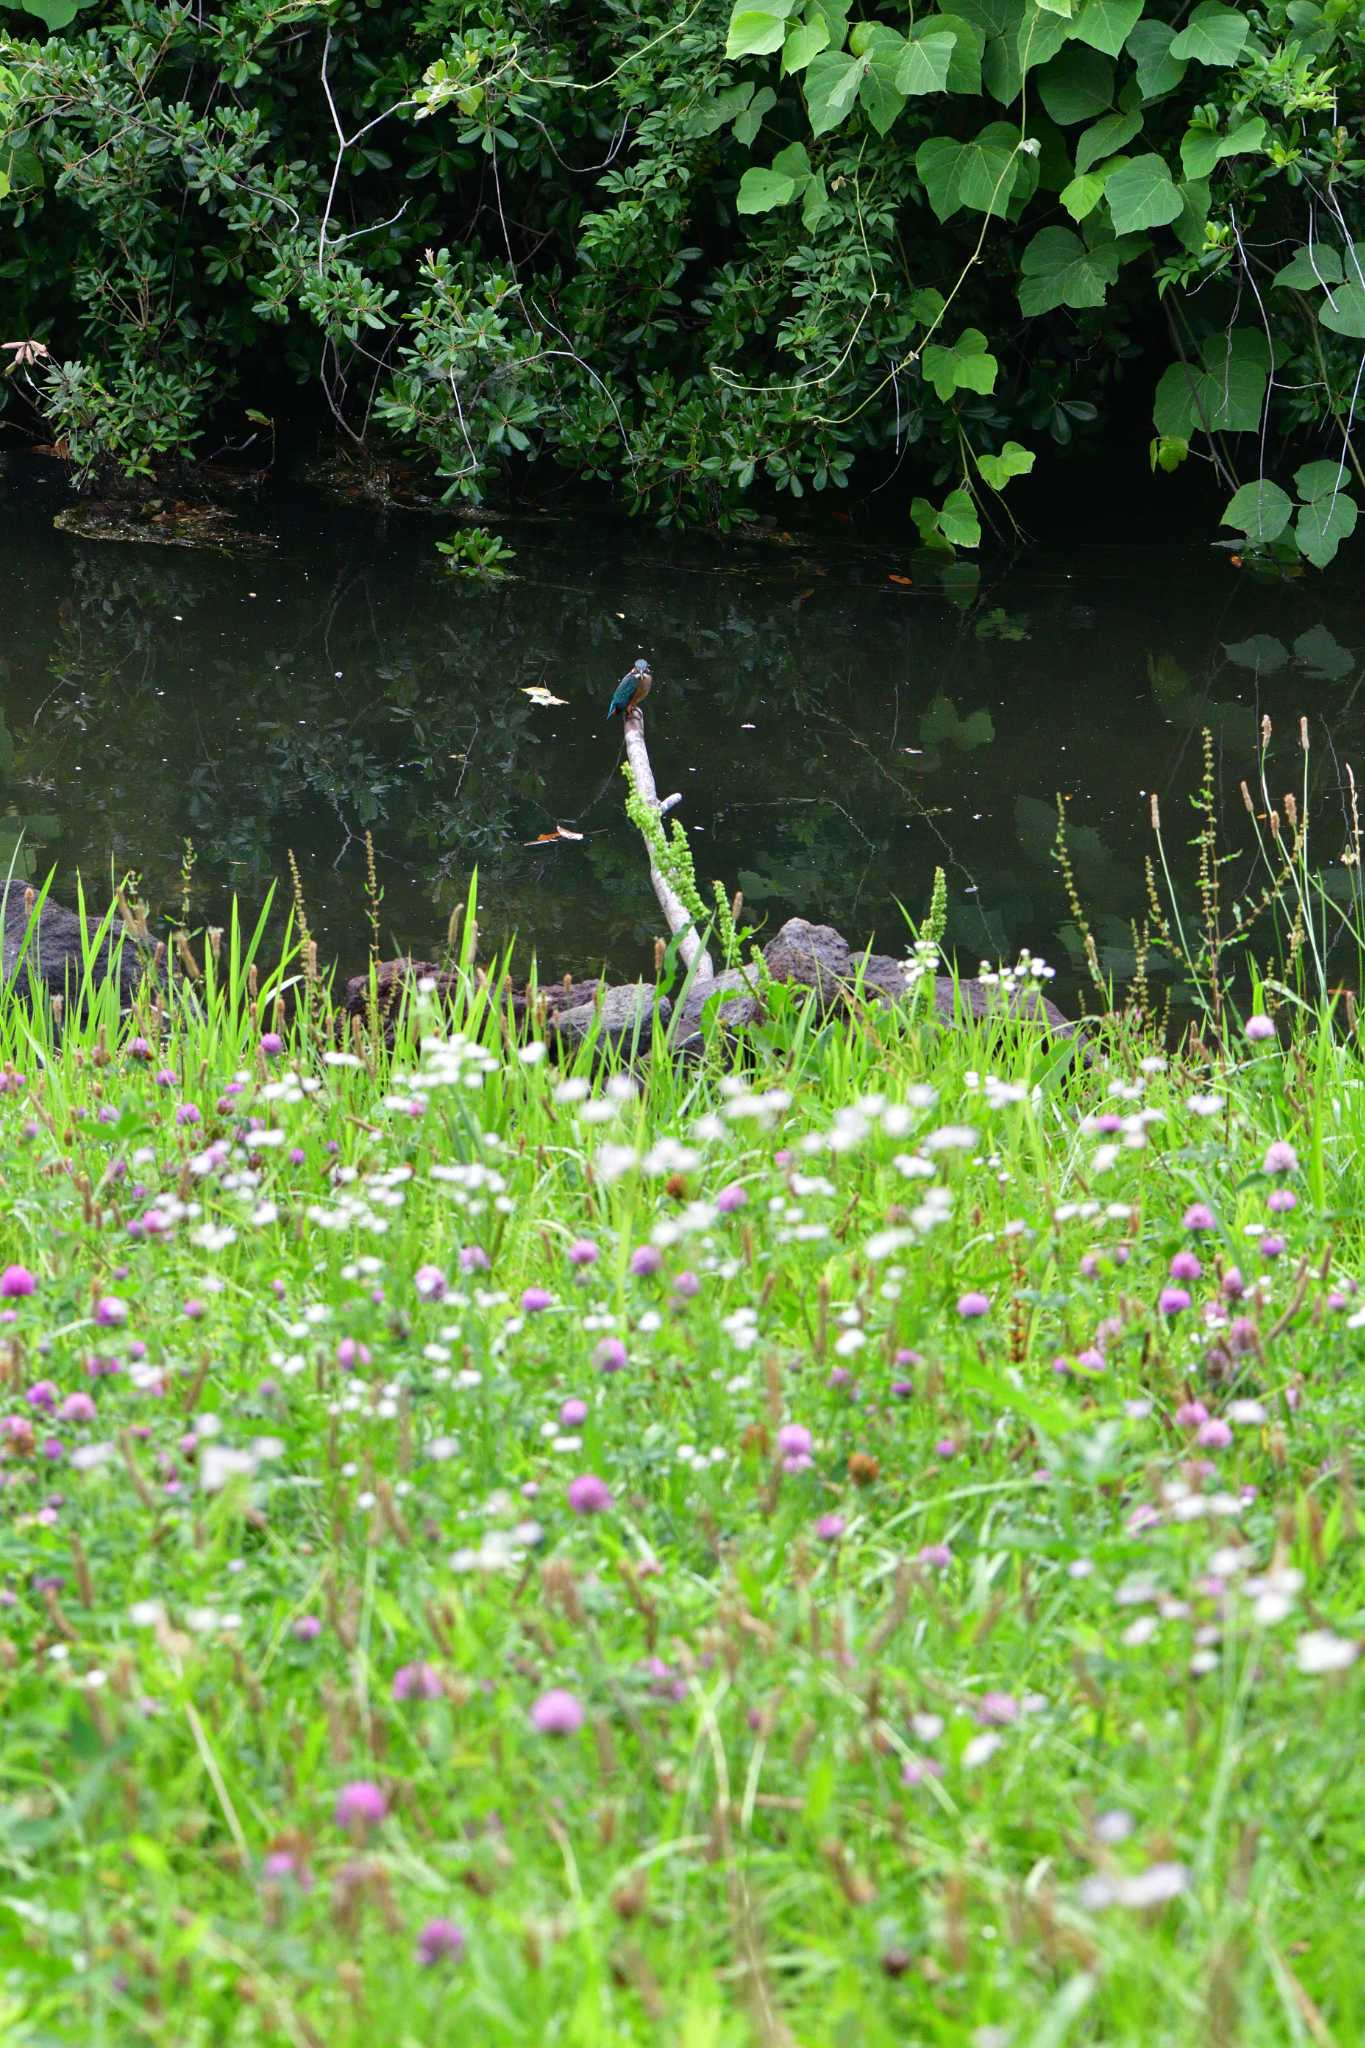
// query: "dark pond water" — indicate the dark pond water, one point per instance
point(836, 731)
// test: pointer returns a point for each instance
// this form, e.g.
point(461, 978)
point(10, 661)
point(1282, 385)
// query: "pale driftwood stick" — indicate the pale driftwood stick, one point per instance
point(695, 956)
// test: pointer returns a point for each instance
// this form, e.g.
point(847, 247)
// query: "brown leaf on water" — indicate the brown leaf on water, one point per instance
point(549, 838)
point(906, 582)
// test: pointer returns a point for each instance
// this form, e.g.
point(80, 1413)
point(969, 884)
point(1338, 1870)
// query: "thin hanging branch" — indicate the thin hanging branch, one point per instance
point(680, 920)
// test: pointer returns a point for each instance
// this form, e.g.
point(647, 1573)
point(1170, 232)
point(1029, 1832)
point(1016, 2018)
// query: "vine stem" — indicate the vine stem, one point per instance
point(696, 959)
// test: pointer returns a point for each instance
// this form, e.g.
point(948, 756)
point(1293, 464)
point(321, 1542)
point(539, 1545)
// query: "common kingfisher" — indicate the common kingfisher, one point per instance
point(634, 686)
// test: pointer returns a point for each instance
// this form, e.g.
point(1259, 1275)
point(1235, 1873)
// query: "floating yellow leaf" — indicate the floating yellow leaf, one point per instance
point(538, 694)
point(548, 838)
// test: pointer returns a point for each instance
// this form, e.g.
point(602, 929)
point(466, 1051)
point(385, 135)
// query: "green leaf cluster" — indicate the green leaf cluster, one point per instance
point(700, 255)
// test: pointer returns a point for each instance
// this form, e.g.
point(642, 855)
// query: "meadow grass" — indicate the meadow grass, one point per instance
point(858, 1548)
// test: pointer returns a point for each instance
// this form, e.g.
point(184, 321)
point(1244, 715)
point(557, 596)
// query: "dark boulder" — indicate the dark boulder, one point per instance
point(812, 955)
point(737, 1006)
point(55, 953)
point(818, 957)
point(624, 1016)
point(395, 978)
point(984, 999)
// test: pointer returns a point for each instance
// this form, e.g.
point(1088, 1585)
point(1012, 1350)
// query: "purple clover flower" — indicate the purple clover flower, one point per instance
point(361, 1804)
point(416, 1682)
point(972, 1305)
point(16, 1281)
point(557, 1713)
point(795, 1443)
point(439, 1941)
point(589, 1495)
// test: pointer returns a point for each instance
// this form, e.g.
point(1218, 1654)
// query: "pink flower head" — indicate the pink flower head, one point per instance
point(1259, 1028)
point(583, 1252)
point(1281, 1158)
point(109, 1310)
point(997, 1709)
point(536, 1299)
point(361, 1804)
point(830, 1528)
point(42, 1394)
point(431, 1283)
point(589, 1495)
point(571, 1413)
point(439, 1941)
point(916, 1769)
point(972, 1305)
point(16, 1280)
point(307, 1628)
point(645, 1260)
point(1173, 1301)
point(77, 1408)
point(473, 1259)
point(795, 1443)
point(1199, 1216)
point(557, 1713)
point(936, 1556)
point(731, 1198)
point(416, 1682)
point(1214, 1435)
point(1185, 1266)
point(610, 1355)
point(271, 1044)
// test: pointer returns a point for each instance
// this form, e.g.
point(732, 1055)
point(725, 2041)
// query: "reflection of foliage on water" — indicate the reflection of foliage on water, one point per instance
point(833, 739)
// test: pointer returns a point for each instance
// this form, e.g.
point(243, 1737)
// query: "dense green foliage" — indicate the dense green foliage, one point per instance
point(695, 251)
point(865, 1550)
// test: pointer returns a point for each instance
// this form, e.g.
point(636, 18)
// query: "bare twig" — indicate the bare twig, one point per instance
point(695, 956)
